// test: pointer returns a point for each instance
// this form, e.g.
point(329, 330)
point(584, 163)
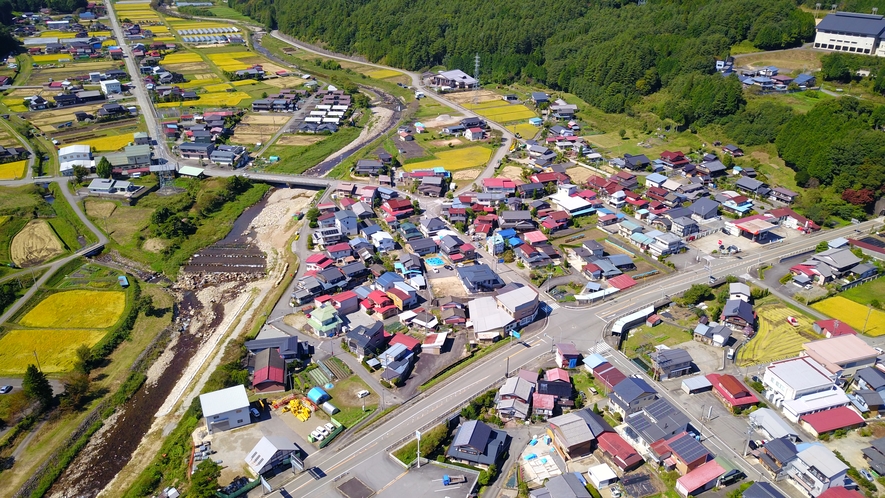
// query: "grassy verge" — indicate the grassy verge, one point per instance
point(296, 159)
point(461, 365)
point(67, 224)
point(431, 441)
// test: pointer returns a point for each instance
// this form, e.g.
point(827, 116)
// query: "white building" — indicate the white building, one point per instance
point(111, 86)
point(270, 452)
point(225, 409)
point(383, 241)
point(851, 32)
point(796, 377)
point(74, 155)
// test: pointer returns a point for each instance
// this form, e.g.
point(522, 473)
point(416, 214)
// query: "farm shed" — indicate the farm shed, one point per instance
point(697, 384)
point(317, 395)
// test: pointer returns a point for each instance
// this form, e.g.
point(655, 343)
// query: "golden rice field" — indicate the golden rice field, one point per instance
point(85, 309)
point(380, 74)
point(228, 61)
point(507, 113)
point(215, 99)
point(11, 171)
point(854, 314)
point(776, 339)
point(189, 85)
point(56, 348)
point(54, 34)
point(244, 83)
point(108, 43)
point(488, 104)
point(181, 57)
point(453, 160)
point(50, 57)
point(525, 130)
point(110, 143)
point(221, 87)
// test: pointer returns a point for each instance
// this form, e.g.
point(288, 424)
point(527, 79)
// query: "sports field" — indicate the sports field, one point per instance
point(776, 339)
point(11, 171)
point(77, 309)
point(54, 347)
point(854, 314)
point(453, 160)
point(110, 143)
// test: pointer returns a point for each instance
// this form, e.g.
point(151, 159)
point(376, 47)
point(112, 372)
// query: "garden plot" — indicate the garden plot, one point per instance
point(453, 160)
point(776, 339)
point(854, 314)
point(88, 309)
point(13, 170)
point(34, 244)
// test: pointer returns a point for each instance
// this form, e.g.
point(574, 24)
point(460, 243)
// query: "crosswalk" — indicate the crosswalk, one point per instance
point(552, 305)
point(600, 347)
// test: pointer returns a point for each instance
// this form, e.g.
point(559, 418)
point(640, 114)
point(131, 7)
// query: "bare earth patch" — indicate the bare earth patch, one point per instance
point(579, 175)
point(446, 143)
point(465, 175)
point(35, 244)
point(443, 121)
point(154, 245)
point(448, 286)
point(100, 209)
point(299, 139)
point(512, 172)
point(469, 96)
point(266, 119)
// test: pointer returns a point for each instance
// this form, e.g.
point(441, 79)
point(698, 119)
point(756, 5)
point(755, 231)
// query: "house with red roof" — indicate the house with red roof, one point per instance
point(609, 375)
point(674, 160)
point(398, 208)
point(840, 492)
point(474, 134)
point(535, 237)
point(499, 185)
point(318, 261)
point(841, 417)
point(400, 298)
point(457, 215)
point(550, 177)
point(410, 343)
point(790, 219)
point(618, 451)
point(621, 282)
point(833, 328)
point(543, 404)
point(379, 304)
point(339, 251)
point(732, 392)
point(346, 302)
point(700, 479)
point(269, 371)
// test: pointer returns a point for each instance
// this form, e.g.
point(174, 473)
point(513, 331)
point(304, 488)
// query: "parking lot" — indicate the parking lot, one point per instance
point(426, 482)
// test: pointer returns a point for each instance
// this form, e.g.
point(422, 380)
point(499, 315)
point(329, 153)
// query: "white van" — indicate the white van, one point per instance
point(730, 354)
point(362, 394)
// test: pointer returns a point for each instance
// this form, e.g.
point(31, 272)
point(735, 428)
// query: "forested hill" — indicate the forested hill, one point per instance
point(609, 53)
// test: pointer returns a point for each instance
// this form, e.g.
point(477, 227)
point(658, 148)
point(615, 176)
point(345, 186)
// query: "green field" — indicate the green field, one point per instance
point(642, 340)
point(873, 290)
point(296, 159)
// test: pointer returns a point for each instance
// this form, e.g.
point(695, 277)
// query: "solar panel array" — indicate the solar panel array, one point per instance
point(688, 449)
point(208, 31)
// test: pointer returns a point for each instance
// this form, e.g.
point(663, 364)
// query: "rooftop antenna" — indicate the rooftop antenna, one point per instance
point(476, 77)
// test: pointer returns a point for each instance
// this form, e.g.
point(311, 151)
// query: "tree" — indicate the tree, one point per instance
point(76, 395)
point(862, 197)
point(80, 173)
point(103, 169)
point(697, 293)
point(835, 68)
point(204, 482)
point(83, 363)
point(622, 133)
point(36, 387)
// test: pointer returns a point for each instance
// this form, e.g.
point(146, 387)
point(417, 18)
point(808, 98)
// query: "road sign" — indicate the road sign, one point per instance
point(515, 334)
point(418, 434)
point(266, 485)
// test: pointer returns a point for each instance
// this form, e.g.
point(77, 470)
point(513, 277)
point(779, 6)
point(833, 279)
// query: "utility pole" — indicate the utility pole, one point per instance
point(418, 435)
point(868, 318)
point(38, 361)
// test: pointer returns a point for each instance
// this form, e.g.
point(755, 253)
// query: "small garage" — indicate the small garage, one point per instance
point(697, 384)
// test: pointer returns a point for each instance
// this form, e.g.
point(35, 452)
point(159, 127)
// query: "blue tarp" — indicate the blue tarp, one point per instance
point(515, 242)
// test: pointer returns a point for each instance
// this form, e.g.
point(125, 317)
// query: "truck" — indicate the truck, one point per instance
point(449, 480)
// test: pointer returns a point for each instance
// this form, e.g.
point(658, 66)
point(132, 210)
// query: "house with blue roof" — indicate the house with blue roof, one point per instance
point(804, 80)
point(655, 180)
point(387, 281)
point(631, 395)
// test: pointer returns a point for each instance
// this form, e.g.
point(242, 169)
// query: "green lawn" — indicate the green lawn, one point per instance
point(643, 339)
point(345, 399)
point(67, 224)
point(228, 13)
point(744, 47)
point(295, 159)
point(867, 293)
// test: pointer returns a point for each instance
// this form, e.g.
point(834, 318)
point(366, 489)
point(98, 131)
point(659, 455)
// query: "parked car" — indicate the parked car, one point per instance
point(255, 413)
point(793, 321)
point(5, 389)
point(449, 267)
point(362, 394)
point(322, 430)
point(867, 475)
point(329, 427)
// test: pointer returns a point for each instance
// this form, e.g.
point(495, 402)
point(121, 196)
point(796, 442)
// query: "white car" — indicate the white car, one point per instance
point(322, 430)
point(319, 436)
point(330, 426)
point(362, 394)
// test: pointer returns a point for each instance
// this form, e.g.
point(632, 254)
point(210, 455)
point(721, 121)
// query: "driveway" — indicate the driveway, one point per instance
point(429, 365)
point(16, 383)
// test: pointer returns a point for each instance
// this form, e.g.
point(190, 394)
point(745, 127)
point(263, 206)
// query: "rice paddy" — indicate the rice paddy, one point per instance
point(77, 309)
point(55, 347)
point(453, 160)
point(228, 61)
point(181, 57)
point(13, 170)
point(854, 314)
point(43, 58)
point(776, 339)
point(380, 74)
point(109, 143)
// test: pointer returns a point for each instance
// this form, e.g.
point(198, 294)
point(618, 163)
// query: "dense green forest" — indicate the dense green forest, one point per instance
point(609, 53)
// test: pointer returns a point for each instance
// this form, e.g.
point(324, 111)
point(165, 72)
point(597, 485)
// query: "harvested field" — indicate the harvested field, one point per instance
point(579, 175)
point(776, 339)
point(299, 139)
point(154, 245)
point(181, 57)
point(285, 82)
point(445, 143)
point(13, 171)
point(99, 209)
point(242, 138)
point(465, 175)
point(189, 67)
point(263, 119)
point(86, 309)
point(512, 172)
point(454, 160)
point(448, 286)
point(35, 244)
point(469, 96)
point(55, 348)
point(854, 314)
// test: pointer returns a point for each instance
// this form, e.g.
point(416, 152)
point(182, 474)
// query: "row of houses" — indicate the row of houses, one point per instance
point(134, 159)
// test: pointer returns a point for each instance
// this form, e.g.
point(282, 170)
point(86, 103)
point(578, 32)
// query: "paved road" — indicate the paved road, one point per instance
point(582, 327)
